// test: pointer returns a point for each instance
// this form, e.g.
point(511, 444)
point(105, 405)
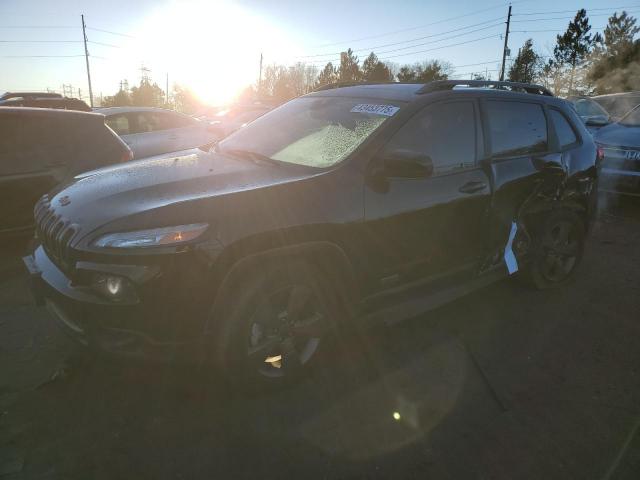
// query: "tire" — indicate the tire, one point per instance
point(273, 325)
point(558, 249)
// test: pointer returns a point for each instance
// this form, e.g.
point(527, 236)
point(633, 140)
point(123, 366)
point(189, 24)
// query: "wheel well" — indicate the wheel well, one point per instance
point(327, 257)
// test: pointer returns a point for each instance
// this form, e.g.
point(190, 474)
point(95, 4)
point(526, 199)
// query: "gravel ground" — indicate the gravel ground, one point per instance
point(506, 383)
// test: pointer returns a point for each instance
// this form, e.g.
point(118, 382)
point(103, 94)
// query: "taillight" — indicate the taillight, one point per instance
point(127, 155)
point(600, 155)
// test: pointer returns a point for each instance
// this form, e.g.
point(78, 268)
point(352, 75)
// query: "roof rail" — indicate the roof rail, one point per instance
point(331, 86)
point(440, 85)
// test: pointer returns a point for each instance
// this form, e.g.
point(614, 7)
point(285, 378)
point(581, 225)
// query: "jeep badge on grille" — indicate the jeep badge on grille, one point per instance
point(64, 201)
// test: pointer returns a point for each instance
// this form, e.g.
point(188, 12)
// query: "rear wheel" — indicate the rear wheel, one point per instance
point(559, 245)
point(275, 325)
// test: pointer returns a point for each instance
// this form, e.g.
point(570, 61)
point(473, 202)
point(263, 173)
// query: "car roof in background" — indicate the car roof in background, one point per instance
point(8, 95)
point(621, 94)
point(114, 110)
point(50, 112)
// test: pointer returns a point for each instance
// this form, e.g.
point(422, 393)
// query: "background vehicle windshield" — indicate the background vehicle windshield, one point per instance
point(632, 119)
point(588, 108)
point(313, 131)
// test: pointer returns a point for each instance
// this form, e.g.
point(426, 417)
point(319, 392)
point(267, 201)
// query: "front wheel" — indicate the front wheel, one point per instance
point(559, 246)
point(274, 325)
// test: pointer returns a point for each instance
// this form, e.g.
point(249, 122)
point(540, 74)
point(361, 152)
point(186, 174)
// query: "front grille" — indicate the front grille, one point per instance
point(55, 232)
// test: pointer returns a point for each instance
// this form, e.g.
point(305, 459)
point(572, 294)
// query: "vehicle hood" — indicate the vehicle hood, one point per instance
point(144, 186)
point(618, 135)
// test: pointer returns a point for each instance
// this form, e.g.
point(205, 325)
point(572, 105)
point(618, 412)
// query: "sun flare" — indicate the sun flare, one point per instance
point(211, 47)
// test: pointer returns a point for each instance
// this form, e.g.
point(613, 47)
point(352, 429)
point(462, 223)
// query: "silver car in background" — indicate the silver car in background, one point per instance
point(153, 131)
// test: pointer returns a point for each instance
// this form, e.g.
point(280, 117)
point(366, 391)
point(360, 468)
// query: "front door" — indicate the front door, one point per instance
point(431, 226)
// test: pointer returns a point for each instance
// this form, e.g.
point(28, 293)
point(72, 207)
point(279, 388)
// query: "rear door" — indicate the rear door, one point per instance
point(522, 160)
point(434, 226)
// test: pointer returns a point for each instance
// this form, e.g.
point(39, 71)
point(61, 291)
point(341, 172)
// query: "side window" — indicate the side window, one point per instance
point(170, 120)
point(566, 135)
point(146, 122)
point(446, 132)
point(119, 124)
point(516, 128)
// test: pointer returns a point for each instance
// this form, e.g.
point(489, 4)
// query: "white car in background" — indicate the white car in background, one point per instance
point(153, 131)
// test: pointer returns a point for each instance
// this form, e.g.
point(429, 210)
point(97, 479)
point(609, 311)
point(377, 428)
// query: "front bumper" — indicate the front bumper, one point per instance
point(620, 174)
point(157, 327)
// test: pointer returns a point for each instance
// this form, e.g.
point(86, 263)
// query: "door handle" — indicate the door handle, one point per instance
point(472, 187)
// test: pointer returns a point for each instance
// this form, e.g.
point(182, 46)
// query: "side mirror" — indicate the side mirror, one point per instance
point(597, 120)
point(405, 164)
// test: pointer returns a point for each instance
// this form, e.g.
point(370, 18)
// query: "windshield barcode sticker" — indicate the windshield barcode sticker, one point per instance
point(386, 110)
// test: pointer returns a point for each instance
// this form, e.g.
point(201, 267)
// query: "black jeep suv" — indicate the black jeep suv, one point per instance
point(354, 204)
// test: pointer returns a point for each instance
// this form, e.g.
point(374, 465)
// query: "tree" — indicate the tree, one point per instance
point(526, 65)
point(434, 70)
point(327, 76)
point(424, 72)
point(619, 33)
point(120, 99)
point(373, 70)
point(185, 100)
point(573, 46)
point(147, 94)
point(407, 74)
point(349, 70)
point(617, 67)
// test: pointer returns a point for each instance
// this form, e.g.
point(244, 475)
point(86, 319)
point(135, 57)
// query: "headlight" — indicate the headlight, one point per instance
point(156, 237)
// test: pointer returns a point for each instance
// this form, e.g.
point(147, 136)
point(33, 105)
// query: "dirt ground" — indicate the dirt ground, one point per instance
point(507, 383)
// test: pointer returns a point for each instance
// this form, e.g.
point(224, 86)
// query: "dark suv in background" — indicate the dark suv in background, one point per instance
point(41, 148)
point(346, 206)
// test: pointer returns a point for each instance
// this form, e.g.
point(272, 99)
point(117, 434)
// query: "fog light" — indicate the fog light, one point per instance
point(113, 287)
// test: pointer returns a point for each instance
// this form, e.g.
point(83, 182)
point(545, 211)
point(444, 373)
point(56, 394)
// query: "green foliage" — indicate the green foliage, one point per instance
point(349, 70)
point(425, 72)
point(147, 95)
point(619, 33)
point(185, 100)
point(373, 70)
point(328, 75)
point(616, 67)
point(120, 99)
point(526, 65)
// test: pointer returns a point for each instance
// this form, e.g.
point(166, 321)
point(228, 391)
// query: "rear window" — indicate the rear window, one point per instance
point(516, 128)
point(119, 124)
point(564, 131)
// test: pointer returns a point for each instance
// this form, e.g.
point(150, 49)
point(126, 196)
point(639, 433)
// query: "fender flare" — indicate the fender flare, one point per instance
point(326, 256)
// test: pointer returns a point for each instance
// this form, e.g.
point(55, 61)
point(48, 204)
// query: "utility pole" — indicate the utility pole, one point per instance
point(86, 57)
point(167, 90)
point(260, 76)
point(506, 40)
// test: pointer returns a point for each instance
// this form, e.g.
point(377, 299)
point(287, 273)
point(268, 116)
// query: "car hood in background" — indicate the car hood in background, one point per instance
point(618, 135)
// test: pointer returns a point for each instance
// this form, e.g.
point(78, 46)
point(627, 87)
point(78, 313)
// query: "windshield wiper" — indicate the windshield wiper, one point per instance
point(249, 155)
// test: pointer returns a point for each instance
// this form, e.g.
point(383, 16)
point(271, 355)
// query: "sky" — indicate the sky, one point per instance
point(214, 46)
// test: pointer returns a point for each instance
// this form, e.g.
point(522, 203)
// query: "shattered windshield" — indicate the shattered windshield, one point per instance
point(314, 131)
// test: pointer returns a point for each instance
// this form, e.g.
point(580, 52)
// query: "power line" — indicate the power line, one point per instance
point(441, 47)
point(37, 26)
point(573, 11)
point(41, 56)
point(549, 30)
point(565, 18)
point(103, 44)
point(368, 49)
point(111, 32)
point(40, 41)
point(414, 28)
point(425, 43)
